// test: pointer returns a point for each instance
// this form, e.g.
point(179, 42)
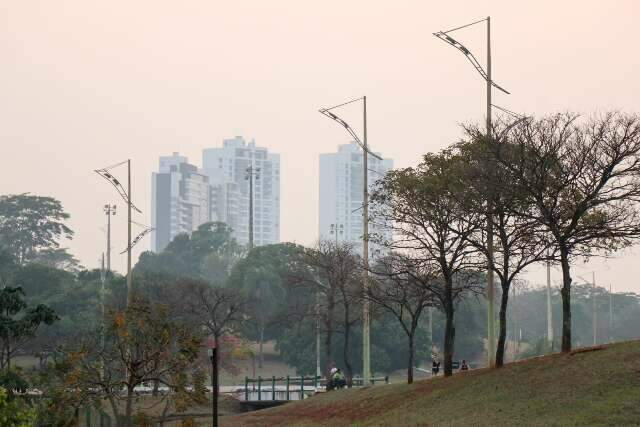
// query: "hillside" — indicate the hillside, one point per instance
point(598, 386)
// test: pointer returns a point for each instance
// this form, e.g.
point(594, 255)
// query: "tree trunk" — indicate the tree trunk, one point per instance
point(329, 335)
point(129, 408)
point(410, 362)
point(345, 350)
point(566, 300)
point(502, 335)
point(449, 330)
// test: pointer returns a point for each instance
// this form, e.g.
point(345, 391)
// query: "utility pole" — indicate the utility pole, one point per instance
point(549, 311)
point(491, 339)
point(593, 308)
point(486, 75)
point(366, 315)
point(129, 282)
point(109, 210)
point(250, 174)
point(366, 319)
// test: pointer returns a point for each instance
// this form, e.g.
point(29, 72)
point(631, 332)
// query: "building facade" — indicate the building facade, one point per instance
point(341, 195)
point(226, 168)
point(180, 200)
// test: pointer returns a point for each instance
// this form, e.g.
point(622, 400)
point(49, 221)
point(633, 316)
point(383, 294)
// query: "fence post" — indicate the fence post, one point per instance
point(259, 387)
point(301, 387)
point(273, 387)
point(288, 388)
point(246, 389)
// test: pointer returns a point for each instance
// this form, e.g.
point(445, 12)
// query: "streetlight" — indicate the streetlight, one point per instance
point(109, 210)
point(213, 357)
point(250, 173)
point(366, 317)
point(336, 228)
point(486, 75)
point(126, 196)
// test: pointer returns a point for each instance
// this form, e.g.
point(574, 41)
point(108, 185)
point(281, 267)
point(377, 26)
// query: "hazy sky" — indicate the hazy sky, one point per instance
point(88, 83)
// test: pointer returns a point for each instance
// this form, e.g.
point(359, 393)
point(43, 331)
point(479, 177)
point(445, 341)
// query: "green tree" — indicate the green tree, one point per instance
point(14, 413)
point(143, 345)
point(19, 323)
point(31, 223)
point(263, 277)
point(420, 206)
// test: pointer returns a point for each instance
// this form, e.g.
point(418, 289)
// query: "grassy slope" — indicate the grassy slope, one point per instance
point(599, 387)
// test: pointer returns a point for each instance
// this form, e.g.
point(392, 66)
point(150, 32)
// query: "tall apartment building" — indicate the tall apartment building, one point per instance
point(226, 168)
point(341, 194)
point(180, 200)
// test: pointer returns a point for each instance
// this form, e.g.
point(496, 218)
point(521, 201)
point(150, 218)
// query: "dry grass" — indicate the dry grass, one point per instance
point(583, 388)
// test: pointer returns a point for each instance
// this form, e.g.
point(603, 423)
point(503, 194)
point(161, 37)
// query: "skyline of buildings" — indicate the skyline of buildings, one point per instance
point(227, 171)
point(341, 189)
point(185, 196)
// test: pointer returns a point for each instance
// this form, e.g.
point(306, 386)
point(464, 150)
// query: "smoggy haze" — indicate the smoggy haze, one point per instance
point(86, 84)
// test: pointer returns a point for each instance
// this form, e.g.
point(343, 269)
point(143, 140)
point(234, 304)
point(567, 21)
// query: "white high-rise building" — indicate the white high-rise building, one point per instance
point(226, 168)
point(180, 200)
point(341, 194)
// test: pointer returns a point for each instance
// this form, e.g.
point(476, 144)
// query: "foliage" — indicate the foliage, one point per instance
point(142, 345)
point(31, 223)
point(58, 258)
point(421, 207)
point(207, 254)
point(15, 413)
point(19, 322)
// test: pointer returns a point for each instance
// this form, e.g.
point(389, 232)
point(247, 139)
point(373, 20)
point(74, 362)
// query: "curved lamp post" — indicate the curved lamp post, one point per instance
point(366, 317)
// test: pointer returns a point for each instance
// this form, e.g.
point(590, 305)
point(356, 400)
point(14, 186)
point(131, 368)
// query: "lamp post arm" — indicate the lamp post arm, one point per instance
point(467, 53)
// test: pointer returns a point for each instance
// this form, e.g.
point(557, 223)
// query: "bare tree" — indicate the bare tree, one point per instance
point(583, 179)
point(330, 273)
point(420, 206)
point(404, 290)
point(216, 310)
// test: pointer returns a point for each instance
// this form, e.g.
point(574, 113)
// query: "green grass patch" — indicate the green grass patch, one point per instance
point(596, 388)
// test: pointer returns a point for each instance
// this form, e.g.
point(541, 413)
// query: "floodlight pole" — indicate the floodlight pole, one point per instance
point(129, 282)
point(109, 210)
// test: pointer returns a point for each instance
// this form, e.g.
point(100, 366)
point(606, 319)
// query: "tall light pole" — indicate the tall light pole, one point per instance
point(250, 173)
point(335, 229)
point(486, 75)
point(109, 210)
point(213, 357)
point(366, 315)
point(129, 281)
point(126, 196)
